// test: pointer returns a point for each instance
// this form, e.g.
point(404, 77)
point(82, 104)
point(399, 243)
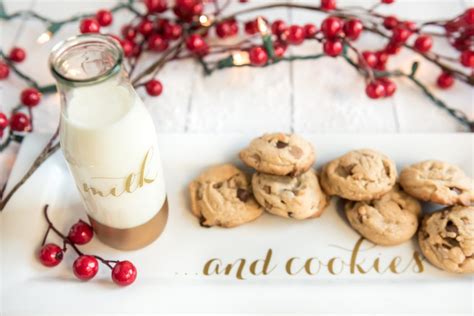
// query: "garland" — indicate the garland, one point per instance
point(184, 32)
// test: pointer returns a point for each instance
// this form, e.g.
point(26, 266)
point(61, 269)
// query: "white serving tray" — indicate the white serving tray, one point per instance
point(170, 271)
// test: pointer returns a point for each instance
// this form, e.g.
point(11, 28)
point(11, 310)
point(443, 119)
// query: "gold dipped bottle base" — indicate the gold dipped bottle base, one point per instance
point(135, 237)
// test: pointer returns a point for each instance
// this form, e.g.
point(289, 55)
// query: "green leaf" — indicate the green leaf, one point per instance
point(268, 45)
point(3, 12)
point(225, 63)
point(414, 68)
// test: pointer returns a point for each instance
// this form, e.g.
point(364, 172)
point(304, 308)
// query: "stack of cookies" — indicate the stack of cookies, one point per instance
point(388, 213)
point(376, 206)
point(284, 184)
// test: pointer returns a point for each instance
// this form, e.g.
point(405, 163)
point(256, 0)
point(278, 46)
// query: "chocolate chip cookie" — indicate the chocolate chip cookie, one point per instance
point(279, 154)
point(222, 196)
point(438, 182)
point(297, 197)
point(359, 175)
point(388, 221)
point(446, 239)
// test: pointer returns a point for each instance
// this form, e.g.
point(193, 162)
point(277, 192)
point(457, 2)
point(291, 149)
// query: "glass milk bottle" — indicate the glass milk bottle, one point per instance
point(109, 141)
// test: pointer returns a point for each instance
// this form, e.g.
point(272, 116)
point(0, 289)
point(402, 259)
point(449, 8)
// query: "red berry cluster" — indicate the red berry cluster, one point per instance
point(19, 121)
point(16, 55)
point(227, 28)
point(85, 267)
point(102, 18)
point(380, 88)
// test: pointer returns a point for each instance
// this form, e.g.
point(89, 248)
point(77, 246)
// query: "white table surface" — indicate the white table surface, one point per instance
point(322, 96)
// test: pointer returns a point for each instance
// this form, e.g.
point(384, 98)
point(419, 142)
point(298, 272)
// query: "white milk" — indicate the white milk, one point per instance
point(109, 140)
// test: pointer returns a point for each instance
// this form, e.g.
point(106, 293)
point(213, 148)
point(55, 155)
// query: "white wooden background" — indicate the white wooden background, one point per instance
point(321, 96)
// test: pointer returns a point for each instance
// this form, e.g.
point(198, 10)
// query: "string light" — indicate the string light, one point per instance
point(240, 58)
point(262, 26)
point(205, 20)
point(45, 37)
point(50, 31)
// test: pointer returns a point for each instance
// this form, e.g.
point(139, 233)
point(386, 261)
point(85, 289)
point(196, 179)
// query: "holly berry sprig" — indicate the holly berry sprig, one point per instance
point(86, 266)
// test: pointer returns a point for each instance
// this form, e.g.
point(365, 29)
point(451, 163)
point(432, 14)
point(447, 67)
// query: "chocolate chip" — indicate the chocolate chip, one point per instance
point(452, 241)
point(281, 144)
point(202, 219)
point(450, 227)
point(456, 190)
point(267, 189)
point(243, 195)
point(290, 214)
point(268, 206)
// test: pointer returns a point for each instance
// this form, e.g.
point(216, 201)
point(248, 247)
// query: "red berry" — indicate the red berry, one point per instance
point(445, 80)
point(393, 48)
point(468, 16)
point(278, 27)
point(279, 48)
point(196, 44)
point(129, 32)
point(154, 87)
point(128, 47)
point(382, 58)
point(80, 233)
point(462, 43)
point(3, 121)
point(310, 30)
point(186, 9)
point(172, 31)
point(390, 22)
point(389, 85)
point(157, 43)
point(353, 28)
point(161, 24)
point(17, 54)
point(251, 27)
point(4, 70)
point(375, 90)
point(85, 267)
point(20, 122)
point(409, 25)
point(453, 25)
point(145, 27)
point(89, 26)
point(124, 273)
point(234, 27)
point(331, 26)
point(104, 17)
point(467, 58)
point(400, 35)
point(30, 97)
point(332, 48)
point(328, 4)
point(370, 59)
point(258, 56)
point(295, 35)
point(388, 1)
point(423, 43)
point(224, 29)
point(156, 6)
point(51, 255)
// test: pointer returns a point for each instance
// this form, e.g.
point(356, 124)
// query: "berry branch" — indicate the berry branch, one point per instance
point(86, 266)
point(183, 34)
